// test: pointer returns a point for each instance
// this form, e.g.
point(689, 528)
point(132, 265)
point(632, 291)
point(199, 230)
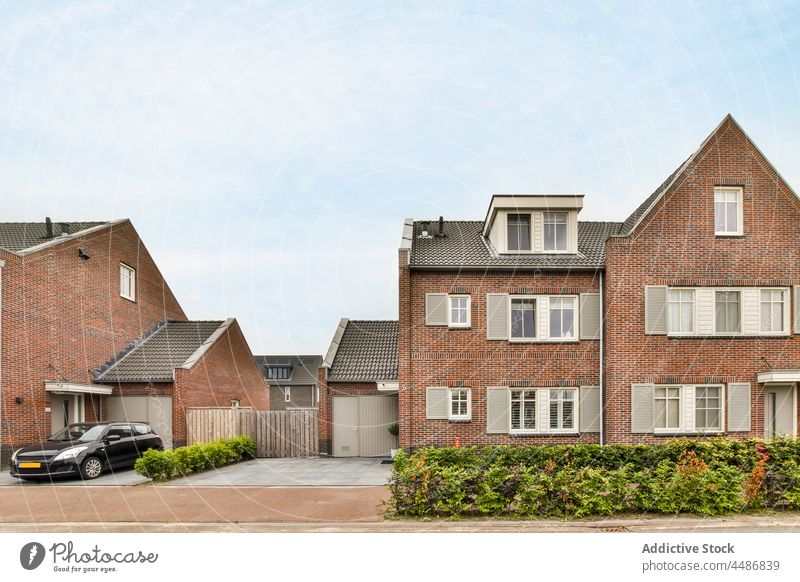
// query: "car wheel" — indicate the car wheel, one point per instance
point(91, 468)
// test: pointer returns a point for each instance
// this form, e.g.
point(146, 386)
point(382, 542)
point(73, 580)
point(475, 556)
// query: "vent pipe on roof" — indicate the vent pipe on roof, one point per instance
point(48, 227)
point(64, 228)
point(441, 227)
point(424, 232)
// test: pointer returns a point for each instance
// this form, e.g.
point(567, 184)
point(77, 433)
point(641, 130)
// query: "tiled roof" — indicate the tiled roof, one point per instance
point(465, 246)
point(18, 236)
point(304, 368)
point(153, 357)
point(367, 352)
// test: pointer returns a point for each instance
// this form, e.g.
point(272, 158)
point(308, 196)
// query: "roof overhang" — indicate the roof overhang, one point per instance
point(71, 388)
point(779, 376)
point(530, 202)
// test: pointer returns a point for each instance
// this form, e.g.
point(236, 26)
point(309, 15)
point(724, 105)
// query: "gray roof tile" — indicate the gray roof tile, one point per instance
point(153, 357)
point(18, 236)
point(304, 369)
point(465, 246)
point(367, 352)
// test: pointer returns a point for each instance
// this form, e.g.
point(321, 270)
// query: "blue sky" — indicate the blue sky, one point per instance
point(268, 152)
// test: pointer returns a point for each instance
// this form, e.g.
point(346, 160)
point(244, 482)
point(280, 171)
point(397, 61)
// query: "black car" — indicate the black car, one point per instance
point(85, 449)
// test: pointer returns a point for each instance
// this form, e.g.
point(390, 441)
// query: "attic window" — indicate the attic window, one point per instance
point(279, 372)
point(127, 282)
point(555, 231)
point(519, 232)
point(728, 211)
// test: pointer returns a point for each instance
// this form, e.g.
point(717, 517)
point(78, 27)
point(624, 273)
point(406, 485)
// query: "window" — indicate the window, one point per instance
point(562, 409)
point(459, 315)
point(127, 282)
point(142, 429)
point(234, 404)
point(728, 311)
point(279, 372)
point(287, 394)
point(728, 211)
point(772, 320)
point(523, 319)
point(460, 405)
point(562, 317)
point(555, 231)
point(680, 311)
point(708, 408)
point(519, 232)
point(523, 410)
point(667, 408)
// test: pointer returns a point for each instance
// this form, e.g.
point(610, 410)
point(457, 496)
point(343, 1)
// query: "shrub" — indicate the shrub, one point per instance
point(162, 465)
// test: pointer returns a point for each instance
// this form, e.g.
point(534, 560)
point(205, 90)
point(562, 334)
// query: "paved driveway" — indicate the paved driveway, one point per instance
point(314, 472)
point(118, 477)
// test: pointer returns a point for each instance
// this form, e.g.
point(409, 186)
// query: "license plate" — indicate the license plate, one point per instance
point(30, 465)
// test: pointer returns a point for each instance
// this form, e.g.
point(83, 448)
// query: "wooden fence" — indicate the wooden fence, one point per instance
point(277, 433)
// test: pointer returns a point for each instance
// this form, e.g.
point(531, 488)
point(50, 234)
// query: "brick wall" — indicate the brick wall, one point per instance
point(439, 356)
point(62, 317)
point(676, 245)
point(226, 371)
point(301, 397)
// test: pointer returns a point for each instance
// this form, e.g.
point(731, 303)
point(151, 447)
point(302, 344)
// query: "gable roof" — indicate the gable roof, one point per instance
point(304, 368)
point(154, 356)
point(464, 246)
point(20, 236)
point(363, 351)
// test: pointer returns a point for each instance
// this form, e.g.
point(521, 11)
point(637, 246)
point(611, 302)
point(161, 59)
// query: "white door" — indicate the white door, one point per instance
point(154, 410)
point(361, 425)
point(65, 409)
point(779, 411)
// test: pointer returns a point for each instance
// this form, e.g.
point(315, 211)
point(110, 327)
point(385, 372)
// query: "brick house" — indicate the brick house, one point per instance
point(78, 297)
point(292, 380)
point(531, 326)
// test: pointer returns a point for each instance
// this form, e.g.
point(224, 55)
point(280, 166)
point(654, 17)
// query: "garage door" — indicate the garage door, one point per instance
point(361, 425)
point(156, 410)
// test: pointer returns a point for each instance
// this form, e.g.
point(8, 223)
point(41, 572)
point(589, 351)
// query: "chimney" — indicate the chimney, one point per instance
point(48, 227)
point(64, 228)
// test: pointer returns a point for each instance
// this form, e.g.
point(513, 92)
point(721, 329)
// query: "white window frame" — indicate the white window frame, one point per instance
point(530, 234)
point(721, 428)
point(741, 311)
point(450, 322)
point(536, 417)
point(694, 310)
point(287, 393)
point(739, 210)
point(575, 409)
point(576, 333)
point(459, 417)
point(126, 270)
point(681, 415)
point(786, 313)
point(536, 322)
point(234, 403)
point(567, 233)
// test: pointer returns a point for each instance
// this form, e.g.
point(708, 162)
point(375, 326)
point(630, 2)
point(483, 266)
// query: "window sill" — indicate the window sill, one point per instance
point(543, 434)
point(680, 433)
point(729, 235)
point(132, 300)
point(729, 336)
point(460, 420)
point(459, 327)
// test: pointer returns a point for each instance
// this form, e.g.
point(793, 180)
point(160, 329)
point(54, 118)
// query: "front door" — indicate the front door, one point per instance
point(779, 411)
point(65, 409)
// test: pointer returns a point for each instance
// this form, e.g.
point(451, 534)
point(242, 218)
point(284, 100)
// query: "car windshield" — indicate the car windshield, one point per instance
point(79, 432)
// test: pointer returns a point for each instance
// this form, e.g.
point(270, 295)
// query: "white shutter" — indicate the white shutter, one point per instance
point(436, 402)
point(738, 398)
point(655, 309)
point(688, 403)
point(496, 316)
point(641, 408)
point(589, 406)
point(705, 311)
point(589, 316)
point(537, 232)
point(572, 231)
point(543, 404)
point(751, 311)
point(542, 317)
point(436, 309)
point(796, 310)
point(497, 410)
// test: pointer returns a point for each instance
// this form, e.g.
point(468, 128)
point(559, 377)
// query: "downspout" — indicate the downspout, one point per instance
point(602, 367)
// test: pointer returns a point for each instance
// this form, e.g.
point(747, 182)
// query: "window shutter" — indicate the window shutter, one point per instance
point(655, 309)
point(497, 410)
point(751, 311)
point(542, 317)
point(796, 309)
point(543, 408)
point(436, 402)
point(497, 316)
point(688, 402)
point(537, 232)
point(589, 408)
point(436, 309)
point(739, 407)
point(641, 408)
point(589, 316)
point(704, 303)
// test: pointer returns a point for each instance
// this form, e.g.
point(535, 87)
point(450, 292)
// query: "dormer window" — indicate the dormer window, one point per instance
point(519, 232)
point(555, 231)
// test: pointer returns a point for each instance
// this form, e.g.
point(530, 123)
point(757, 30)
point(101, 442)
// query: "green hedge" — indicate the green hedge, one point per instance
point(161, 465)
point(709, 477)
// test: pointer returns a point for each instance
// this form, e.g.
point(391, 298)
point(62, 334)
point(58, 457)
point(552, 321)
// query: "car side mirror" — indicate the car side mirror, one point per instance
point(113, 437)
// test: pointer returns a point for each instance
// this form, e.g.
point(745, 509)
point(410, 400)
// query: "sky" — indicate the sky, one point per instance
point(268, 152)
